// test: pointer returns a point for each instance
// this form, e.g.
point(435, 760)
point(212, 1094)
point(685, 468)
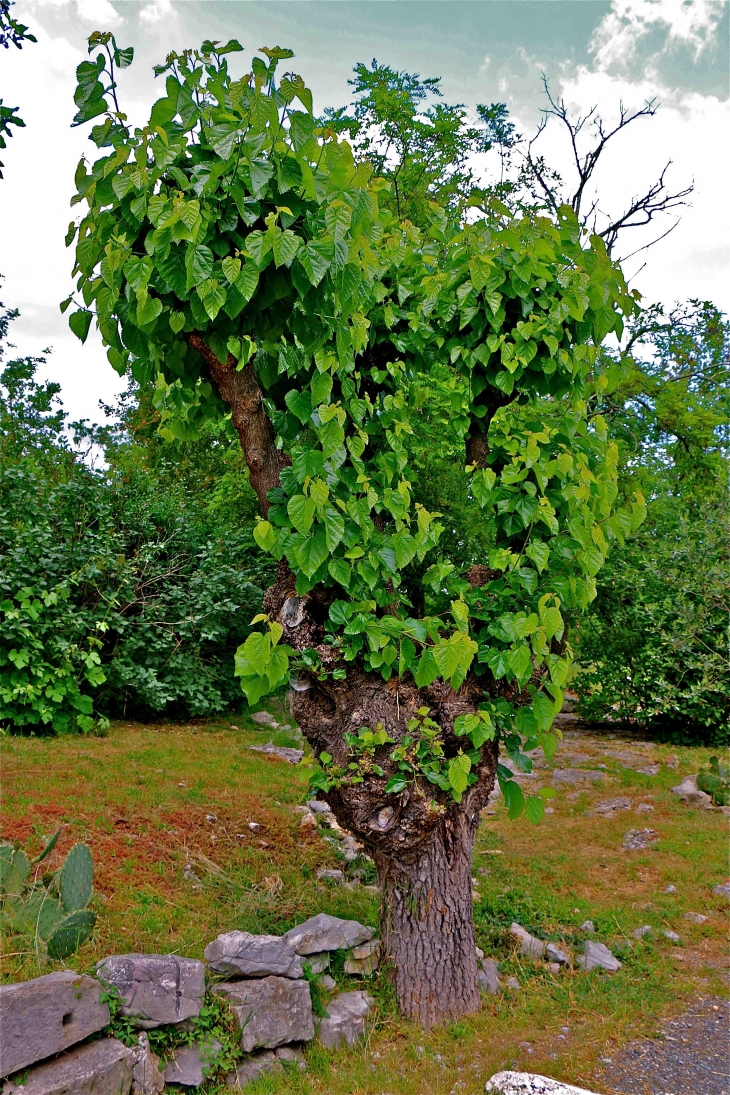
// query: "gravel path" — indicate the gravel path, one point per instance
point(692, 1057)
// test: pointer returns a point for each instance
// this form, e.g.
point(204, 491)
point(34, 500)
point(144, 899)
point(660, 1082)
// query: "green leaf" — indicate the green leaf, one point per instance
point(213, 296)
point(199, 265)
point(340, 571)
point(286, 245)
point(232, 268)
point(177, 321)
point(316, 258)
point(334, 525)
point(395, 785)
point(148, 309)
point(337, 217)
point(520, 663)
point(301, 512)
point(312, 552)
point(79, 322)
point(459, 768)
point(263, 534)
point(539, 553)
point(247, 281)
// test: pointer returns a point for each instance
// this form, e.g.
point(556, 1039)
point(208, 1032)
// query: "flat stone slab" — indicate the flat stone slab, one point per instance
point(529, 1083)
point(147, 1079)
point(577, 775)
point(327, 933)
point(156, 988)
point(244, 955)
point(291, 756)
point(723, 890)
point(529, 945)
point(42, 1017)
point(363, 960)
point(191, 1064)
point(637, 840)
point(103, 1067)
point(608, 806)
point(689, 792)
point(344, 1023)
point(252, 1068)
point(270, 1011)
point(597, 956)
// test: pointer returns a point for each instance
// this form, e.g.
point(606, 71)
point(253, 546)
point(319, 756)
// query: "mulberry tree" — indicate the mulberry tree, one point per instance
point(236, 259)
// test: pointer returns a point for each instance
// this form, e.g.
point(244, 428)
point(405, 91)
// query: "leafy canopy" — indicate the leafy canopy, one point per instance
point(232, 216)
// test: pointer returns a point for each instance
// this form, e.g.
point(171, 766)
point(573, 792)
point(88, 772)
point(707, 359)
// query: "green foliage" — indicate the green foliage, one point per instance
point(653, 646)
point(233, 220)
point(715, 781)
point(11, 33)
point(123, 591)
point(51, 908)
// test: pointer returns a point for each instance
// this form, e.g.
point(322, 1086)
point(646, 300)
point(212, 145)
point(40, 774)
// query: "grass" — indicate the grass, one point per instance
point(166, 812)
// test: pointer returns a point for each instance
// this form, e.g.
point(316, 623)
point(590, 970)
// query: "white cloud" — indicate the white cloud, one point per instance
point(155, 12)
point(691, 23)
point(99, 12)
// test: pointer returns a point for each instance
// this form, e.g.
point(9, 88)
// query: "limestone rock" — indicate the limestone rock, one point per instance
point(671, 889)
point(244, 955)
point(648, 769)
point(577, 775)
point(156, 988)
point(587, 926)
point(671, 936)
point(318, 807)
point(529, 1083)
point(637, 840)
point(345, 1021)
point(41, 1017)
point(291, 756)
point(191, 1064)
point(554, 953)
point(103, 1067)
point(292, 1055)
point(529, 945)
point(696, 918)
point(609, 806)
point(326, 982)
point(318, 963)
point(723, 890)
point(146, 1076)
point(363, 960)
point(597, 956)
point(688, 791)
point(331, 875)
point(641, 933)
point(264, 718)
point(270, 1011)
point(327, 933)
point(489, 976)
point(512, 984)
point(252, 1068)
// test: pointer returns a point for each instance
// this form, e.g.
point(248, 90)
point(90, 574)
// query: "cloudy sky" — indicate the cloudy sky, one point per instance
point(593, 53)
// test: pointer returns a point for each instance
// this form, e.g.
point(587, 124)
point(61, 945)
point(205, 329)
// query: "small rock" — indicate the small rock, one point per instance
point(384, 817)
point(210, 817)
point(609, 806)
point(597, 956)
point(671, 889)
point(529, 945)
point(292, 1055)
point(696, 918)
point(326, 982)
point(327, 933)
point(644, 808)
point(318, 807)
point(671, 936)
point(189, 1065)
point(308, 821)
point(103, 1067)
point(489, 976)
point(723, 890)
point(648, 770)
point(476, 896)
point(291, 756)
point(190, 876)
point(264, 718)
point(363, 960)
point(254, 826)
point(479, 953)
point(232, 727)
point(318, 963)
point(640, 933)
point(156, 989)
point(146, 1076)
point(345, 1020)
point(636, 840)
point(554, 953)
point(512, 984)
point(587, 926)
point(687, 790)
point(246, 955)
point(47, 1015)
point(270, 1011)
point(554, 967)
point(576, 775)
point(252, 1068)
point(529, 1083)
point(331, 875)
point(672, 762)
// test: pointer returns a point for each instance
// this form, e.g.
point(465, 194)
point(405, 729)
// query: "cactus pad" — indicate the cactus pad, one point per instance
point(71, 933)
point(76, 878)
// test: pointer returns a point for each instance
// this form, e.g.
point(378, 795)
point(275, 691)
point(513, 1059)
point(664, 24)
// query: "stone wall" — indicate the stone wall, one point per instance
point(55, 1029)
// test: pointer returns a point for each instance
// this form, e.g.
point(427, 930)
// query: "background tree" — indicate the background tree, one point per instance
point(237, 260)
point(11, 33)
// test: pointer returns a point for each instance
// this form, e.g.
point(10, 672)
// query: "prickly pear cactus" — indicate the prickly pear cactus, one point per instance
point(76, 877)
point(50, 908)
point(71, 933)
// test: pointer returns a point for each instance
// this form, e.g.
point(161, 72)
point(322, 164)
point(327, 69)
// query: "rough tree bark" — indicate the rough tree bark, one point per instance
point(420, 840)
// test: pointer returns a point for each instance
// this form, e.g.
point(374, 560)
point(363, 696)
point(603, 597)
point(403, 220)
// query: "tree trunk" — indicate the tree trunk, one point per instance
point(427, 924)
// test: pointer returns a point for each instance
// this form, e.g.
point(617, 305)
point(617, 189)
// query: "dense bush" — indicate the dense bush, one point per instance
point(654, 646)
point(122, 590)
